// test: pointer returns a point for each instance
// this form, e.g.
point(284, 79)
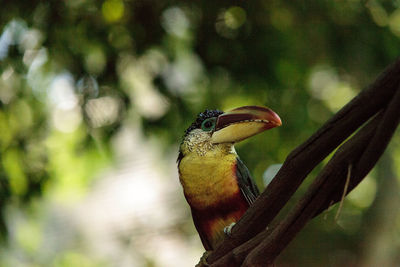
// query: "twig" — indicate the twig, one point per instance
point(328, 209)
point(346, 186)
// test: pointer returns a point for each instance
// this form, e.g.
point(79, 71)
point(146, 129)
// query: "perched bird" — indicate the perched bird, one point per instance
point(216, 183)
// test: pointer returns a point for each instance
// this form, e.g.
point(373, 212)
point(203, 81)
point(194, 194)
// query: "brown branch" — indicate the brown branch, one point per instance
point(305, 210)
point(363, 150)
point(304, 158)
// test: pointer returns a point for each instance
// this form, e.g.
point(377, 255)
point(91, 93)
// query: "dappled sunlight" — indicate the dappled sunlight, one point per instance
point(229, 21)
point(384, 18)
point(125, 217)
point(15, 33)
point(95, 60)
point(394, 22)
point(61, 92)
point(66, 114)
point(235, 17)
point(38, 77)
point(182, 76)
point(364, 194)
point(326, 85)
point(102, 111)
point(378, 13)
point(11, 160)
point(137, 81)
point(175, 22)
point(95, 98)
point(112, 10)
point(66, 120)
point(8, 82)
point(135, 201)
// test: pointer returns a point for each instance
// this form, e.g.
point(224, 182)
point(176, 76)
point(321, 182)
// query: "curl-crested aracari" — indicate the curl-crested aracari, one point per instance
point(216, 183)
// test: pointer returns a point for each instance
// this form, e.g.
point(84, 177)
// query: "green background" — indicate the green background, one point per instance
point(95, 97)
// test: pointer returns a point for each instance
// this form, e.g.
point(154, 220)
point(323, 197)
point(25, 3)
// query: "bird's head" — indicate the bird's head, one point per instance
point(214, 129)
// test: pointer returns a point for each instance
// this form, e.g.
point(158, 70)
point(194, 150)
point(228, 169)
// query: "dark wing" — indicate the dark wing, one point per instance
point(246, 184)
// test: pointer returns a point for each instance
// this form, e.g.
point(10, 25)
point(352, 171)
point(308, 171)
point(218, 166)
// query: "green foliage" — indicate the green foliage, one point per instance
point(72, 73)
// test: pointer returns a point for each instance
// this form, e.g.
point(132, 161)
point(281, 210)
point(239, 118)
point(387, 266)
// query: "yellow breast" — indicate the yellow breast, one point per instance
point(208, 179)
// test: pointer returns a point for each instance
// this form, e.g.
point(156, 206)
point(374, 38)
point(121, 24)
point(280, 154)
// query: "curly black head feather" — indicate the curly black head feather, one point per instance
point(197, 124)
point(201, 117)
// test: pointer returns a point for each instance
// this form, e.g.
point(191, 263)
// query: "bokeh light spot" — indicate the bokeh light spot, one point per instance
point(112, 10)
point(8, 82)
point(29, 236)
point(61, 91)
point(95, 60)
point(137, 79)
point(322, 81)
point(67, 121)
point(175, 22)
point(343, 94)
point(102, 111)
point(14, 169)
point(21, 117)
point(326, 85)
point(394, 22)
point(235, 17)
point(378, 13)
point(73, 258)
point(229, 21)
point(6, 133)
point(363, 195)
point(120, 38)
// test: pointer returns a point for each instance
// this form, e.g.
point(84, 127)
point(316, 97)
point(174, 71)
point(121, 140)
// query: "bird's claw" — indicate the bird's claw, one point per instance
point(203, 260)
point(228, 229)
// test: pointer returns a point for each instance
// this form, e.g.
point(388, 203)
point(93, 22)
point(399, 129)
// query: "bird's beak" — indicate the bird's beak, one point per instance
point(241, 123)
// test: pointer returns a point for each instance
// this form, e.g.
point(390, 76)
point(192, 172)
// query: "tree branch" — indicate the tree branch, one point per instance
point(363, 151)
point(303, 159)
point(309, 205)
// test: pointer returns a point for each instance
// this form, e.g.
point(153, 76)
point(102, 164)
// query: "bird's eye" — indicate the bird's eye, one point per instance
point(208, 124)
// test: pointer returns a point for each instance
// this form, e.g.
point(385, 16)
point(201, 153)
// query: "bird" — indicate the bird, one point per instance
point(216, 183)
